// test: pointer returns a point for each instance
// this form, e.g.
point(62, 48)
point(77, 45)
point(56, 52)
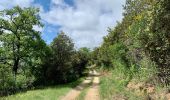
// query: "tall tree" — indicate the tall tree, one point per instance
point(18, 38)
point(63, 49)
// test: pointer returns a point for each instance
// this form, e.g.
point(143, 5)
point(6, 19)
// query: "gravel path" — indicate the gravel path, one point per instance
point(77, 90)
point(92, 93)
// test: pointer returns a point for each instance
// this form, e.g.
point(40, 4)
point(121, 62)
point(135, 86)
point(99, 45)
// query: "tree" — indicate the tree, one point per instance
point(84, 56)
point(20, 43)
point(63, 49)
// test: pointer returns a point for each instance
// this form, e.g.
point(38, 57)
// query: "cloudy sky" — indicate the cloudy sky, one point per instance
point(85, 21)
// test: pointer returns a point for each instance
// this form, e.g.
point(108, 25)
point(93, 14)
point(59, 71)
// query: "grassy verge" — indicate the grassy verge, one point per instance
point(47, 93)
point(113, 87)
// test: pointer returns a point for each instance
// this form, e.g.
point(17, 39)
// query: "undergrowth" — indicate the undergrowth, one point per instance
point(113, 83)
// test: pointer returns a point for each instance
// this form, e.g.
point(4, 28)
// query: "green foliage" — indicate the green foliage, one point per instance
point(27, 61)
point(158, 40)
point(81, 60)
point(113, 86)
point(18, 36)
point(149, 31)
point(138, 48)
point(147, 71)
point(109, 52)
point(62, 63)
point(21, 48)
point(5, 77)
point(143, 33)
point(63, 50)
point(114, 83)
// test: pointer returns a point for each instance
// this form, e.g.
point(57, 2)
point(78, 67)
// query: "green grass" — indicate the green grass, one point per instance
point(48, 93)
point(113, 86)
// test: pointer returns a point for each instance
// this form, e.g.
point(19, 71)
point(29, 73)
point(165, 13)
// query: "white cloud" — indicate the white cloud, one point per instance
point(58, 2)
point(23, 3)
point(87, 21)
point(38, 28)
point(5, 4)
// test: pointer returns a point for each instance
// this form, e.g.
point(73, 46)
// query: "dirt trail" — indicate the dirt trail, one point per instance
point(77, 90)
point(92, 93)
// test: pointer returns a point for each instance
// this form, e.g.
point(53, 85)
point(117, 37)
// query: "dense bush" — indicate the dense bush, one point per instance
point(62, 63)
point(142, 37)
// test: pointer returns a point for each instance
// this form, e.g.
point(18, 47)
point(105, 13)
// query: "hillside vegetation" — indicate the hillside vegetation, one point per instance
point(135, 54)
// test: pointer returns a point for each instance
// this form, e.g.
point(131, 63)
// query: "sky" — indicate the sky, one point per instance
point(84, 21)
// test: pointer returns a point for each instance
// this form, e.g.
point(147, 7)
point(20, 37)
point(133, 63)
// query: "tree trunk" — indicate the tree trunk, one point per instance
point(15, 68)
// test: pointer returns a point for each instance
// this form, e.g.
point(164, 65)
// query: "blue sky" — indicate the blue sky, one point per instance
point(85, 21)
point(44, 3)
